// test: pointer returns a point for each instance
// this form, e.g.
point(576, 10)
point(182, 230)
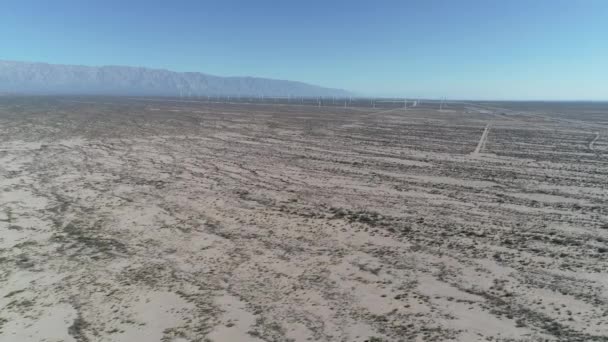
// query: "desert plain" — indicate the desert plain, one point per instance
point(150, 219)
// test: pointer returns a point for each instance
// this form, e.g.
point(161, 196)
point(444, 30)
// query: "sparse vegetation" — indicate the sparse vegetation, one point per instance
point(325, 225)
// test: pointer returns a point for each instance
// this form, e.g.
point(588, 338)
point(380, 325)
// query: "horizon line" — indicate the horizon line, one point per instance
point(355, 93)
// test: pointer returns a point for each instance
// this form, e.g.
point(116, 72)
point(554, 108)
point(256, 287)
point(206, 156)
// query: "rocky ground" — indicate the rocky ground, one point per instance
point(155, 220)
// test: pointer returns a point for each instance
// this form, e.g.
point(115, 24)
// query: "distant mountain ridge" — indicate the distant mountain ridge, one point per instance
point(43, 78)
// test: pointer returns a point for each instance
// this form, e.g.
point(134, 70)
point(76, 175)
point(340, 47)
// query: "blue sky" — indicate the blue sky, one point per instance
point(538, 49)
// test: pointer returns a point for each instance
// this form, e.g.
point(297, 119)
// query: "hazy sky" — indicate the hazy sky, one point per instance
point(533, 49)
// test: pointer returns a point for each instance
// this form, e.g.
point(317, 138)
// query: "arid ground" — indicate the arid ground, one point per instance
point(142, 220)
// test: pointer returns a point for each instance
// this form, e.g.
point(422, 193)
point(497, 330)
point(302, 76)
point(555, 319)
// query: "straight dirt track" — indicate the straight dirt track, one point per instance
point(135, 220)
point(482, 140)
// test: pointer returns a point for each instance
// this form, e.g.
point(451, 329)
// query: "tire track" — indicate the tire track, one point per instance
point(482, 141)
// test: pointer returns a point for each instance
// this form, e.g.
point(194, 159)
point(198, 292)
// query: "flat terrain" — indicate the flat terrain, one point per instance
point(155, 220)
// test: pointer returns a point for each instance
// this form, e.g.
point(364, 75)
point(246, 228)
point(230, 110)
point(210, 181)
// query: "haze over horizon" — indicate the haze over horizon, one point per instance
point(545, 50)
point(60, 79)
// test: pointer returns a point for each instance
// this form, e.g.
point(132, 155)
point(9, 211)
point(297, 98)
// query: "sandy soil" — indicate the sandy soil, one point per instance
point(128, 220)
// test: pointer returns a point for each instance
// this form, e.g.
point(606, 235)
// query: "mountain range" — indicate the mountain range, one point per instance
point(42, 78)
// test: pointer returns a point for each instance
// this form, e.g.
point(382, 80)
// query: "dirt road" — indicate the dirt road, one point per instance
point(592, 142)
point(482, 140)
